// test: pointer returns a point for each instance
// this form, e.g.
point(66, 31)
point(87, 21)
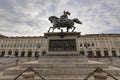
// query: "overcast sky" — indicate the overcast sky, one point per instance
point(30, 17)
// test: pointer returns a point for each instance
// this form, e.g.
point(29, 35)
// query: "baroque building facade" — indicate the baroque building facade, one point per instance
point(98, 45)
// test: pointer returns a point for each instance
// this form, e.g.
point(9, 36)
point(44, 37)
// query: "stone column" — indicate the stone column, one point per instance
point(100, 76)
point(109, 52)
point(102, 52)
point(19, 52)
point(13, 53)
point(6, 52)
point(26, 53)
point(94, 51)
point(117, 52)
point(33, 53)
point(28, 76)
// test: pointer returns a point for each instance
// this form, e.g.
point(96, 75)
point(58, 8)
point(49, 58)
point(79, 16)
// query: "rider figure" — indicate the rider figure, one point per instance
point(64, 17)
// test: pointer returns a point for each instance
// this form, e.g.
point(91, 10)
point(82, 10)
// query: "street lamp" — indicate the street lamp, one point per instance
point(38, 51)
point(86, 45)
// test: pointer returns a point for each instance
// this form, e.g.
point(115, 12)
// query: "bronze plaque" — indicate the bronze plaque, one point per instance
point(62, 45)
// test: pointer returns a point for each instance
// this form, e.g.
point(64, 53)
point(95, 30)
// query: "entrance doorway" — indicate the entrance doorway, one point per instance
point(106, 52)
point(114, 53)
point(29, 54)
point(98, 54)
point(16, 53)
point(90, 54)
point(10, 52)
point(2, 53)
point(23, 54)
point(36, 53)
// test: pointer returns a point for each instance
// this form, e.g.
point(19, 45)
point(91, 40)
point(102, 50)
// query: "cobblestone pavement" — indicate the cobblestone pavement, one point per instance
point(7, 62)
point(113, 61)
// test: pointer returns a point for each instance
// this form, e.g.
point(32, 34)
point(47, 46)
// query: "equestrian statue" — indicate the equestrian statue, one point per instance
point(63, 21)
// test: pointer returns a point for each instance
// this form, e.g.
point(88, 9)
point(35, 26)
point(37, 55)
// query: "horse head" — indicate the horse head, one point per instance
point(53, 19)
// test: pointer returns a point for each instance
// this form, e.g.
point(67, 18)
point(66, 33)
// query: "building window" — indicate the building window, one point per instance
point(17, 44)
point(14, 44)
point(20, 45)
point(92, 45)
point(8, 45)
point(24, 45)
point(27, 45)
point(4, 45)
point(80, 44)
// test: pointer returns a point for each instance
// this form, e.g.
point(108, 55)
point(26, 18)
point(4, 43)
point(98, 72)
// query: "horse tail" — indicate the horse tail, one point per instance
point(77, 21)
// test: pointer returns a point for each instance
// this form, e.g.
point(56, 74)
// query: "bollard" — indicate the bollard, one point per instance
point(100, 76)
point(28, 76)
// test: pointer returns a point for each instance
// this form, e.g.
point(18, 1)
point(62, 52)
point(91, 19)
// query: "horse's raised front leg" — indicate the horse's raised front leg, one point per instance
point(73, 29)
point(49, 29)
point(67, 29)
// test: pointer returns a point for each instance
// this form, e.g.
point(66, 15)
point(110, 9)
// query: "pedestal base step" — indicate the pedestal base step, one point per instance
point(54, 77)
point(63, 59)
point(63, 54)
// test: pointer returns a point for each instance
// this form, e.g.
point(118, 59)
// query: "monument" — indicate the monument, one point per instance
point(63, 42)
point(62, 60)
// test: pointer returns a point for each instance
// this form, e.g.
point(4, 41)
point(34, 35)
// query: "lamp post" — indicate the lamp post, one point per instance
point(38, 51)
point(86, 45)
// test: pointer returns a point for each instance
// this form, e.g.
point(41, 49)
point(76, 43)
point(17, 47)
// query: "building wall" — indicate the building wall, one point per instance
point(21, 45)
point(98, 45)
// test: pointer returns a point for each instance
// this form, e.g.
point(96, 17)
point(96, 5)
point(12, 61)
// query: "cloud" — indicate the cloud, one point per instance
point(30, 17)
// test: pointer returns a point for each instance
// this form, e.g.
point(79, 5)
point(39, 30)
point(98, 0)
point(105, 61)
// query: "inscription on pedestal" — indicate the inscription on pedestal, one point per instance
point(62, 45)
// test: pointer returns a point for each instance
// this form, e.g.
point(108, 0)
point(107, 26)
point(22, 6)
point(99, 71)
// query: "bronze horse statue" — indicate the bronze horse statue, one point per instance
point(63, 21)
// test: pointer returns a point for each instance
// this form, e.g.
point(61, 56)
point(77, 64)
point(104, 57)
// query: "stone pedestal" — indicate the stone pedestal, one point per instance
point(100, 76)
point(62, 43)
point(28, 76)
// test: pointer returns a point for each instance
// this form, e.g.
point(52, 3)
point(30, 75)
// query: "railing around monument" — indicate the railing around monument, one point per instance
point(98, 73)
point(28, 70)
